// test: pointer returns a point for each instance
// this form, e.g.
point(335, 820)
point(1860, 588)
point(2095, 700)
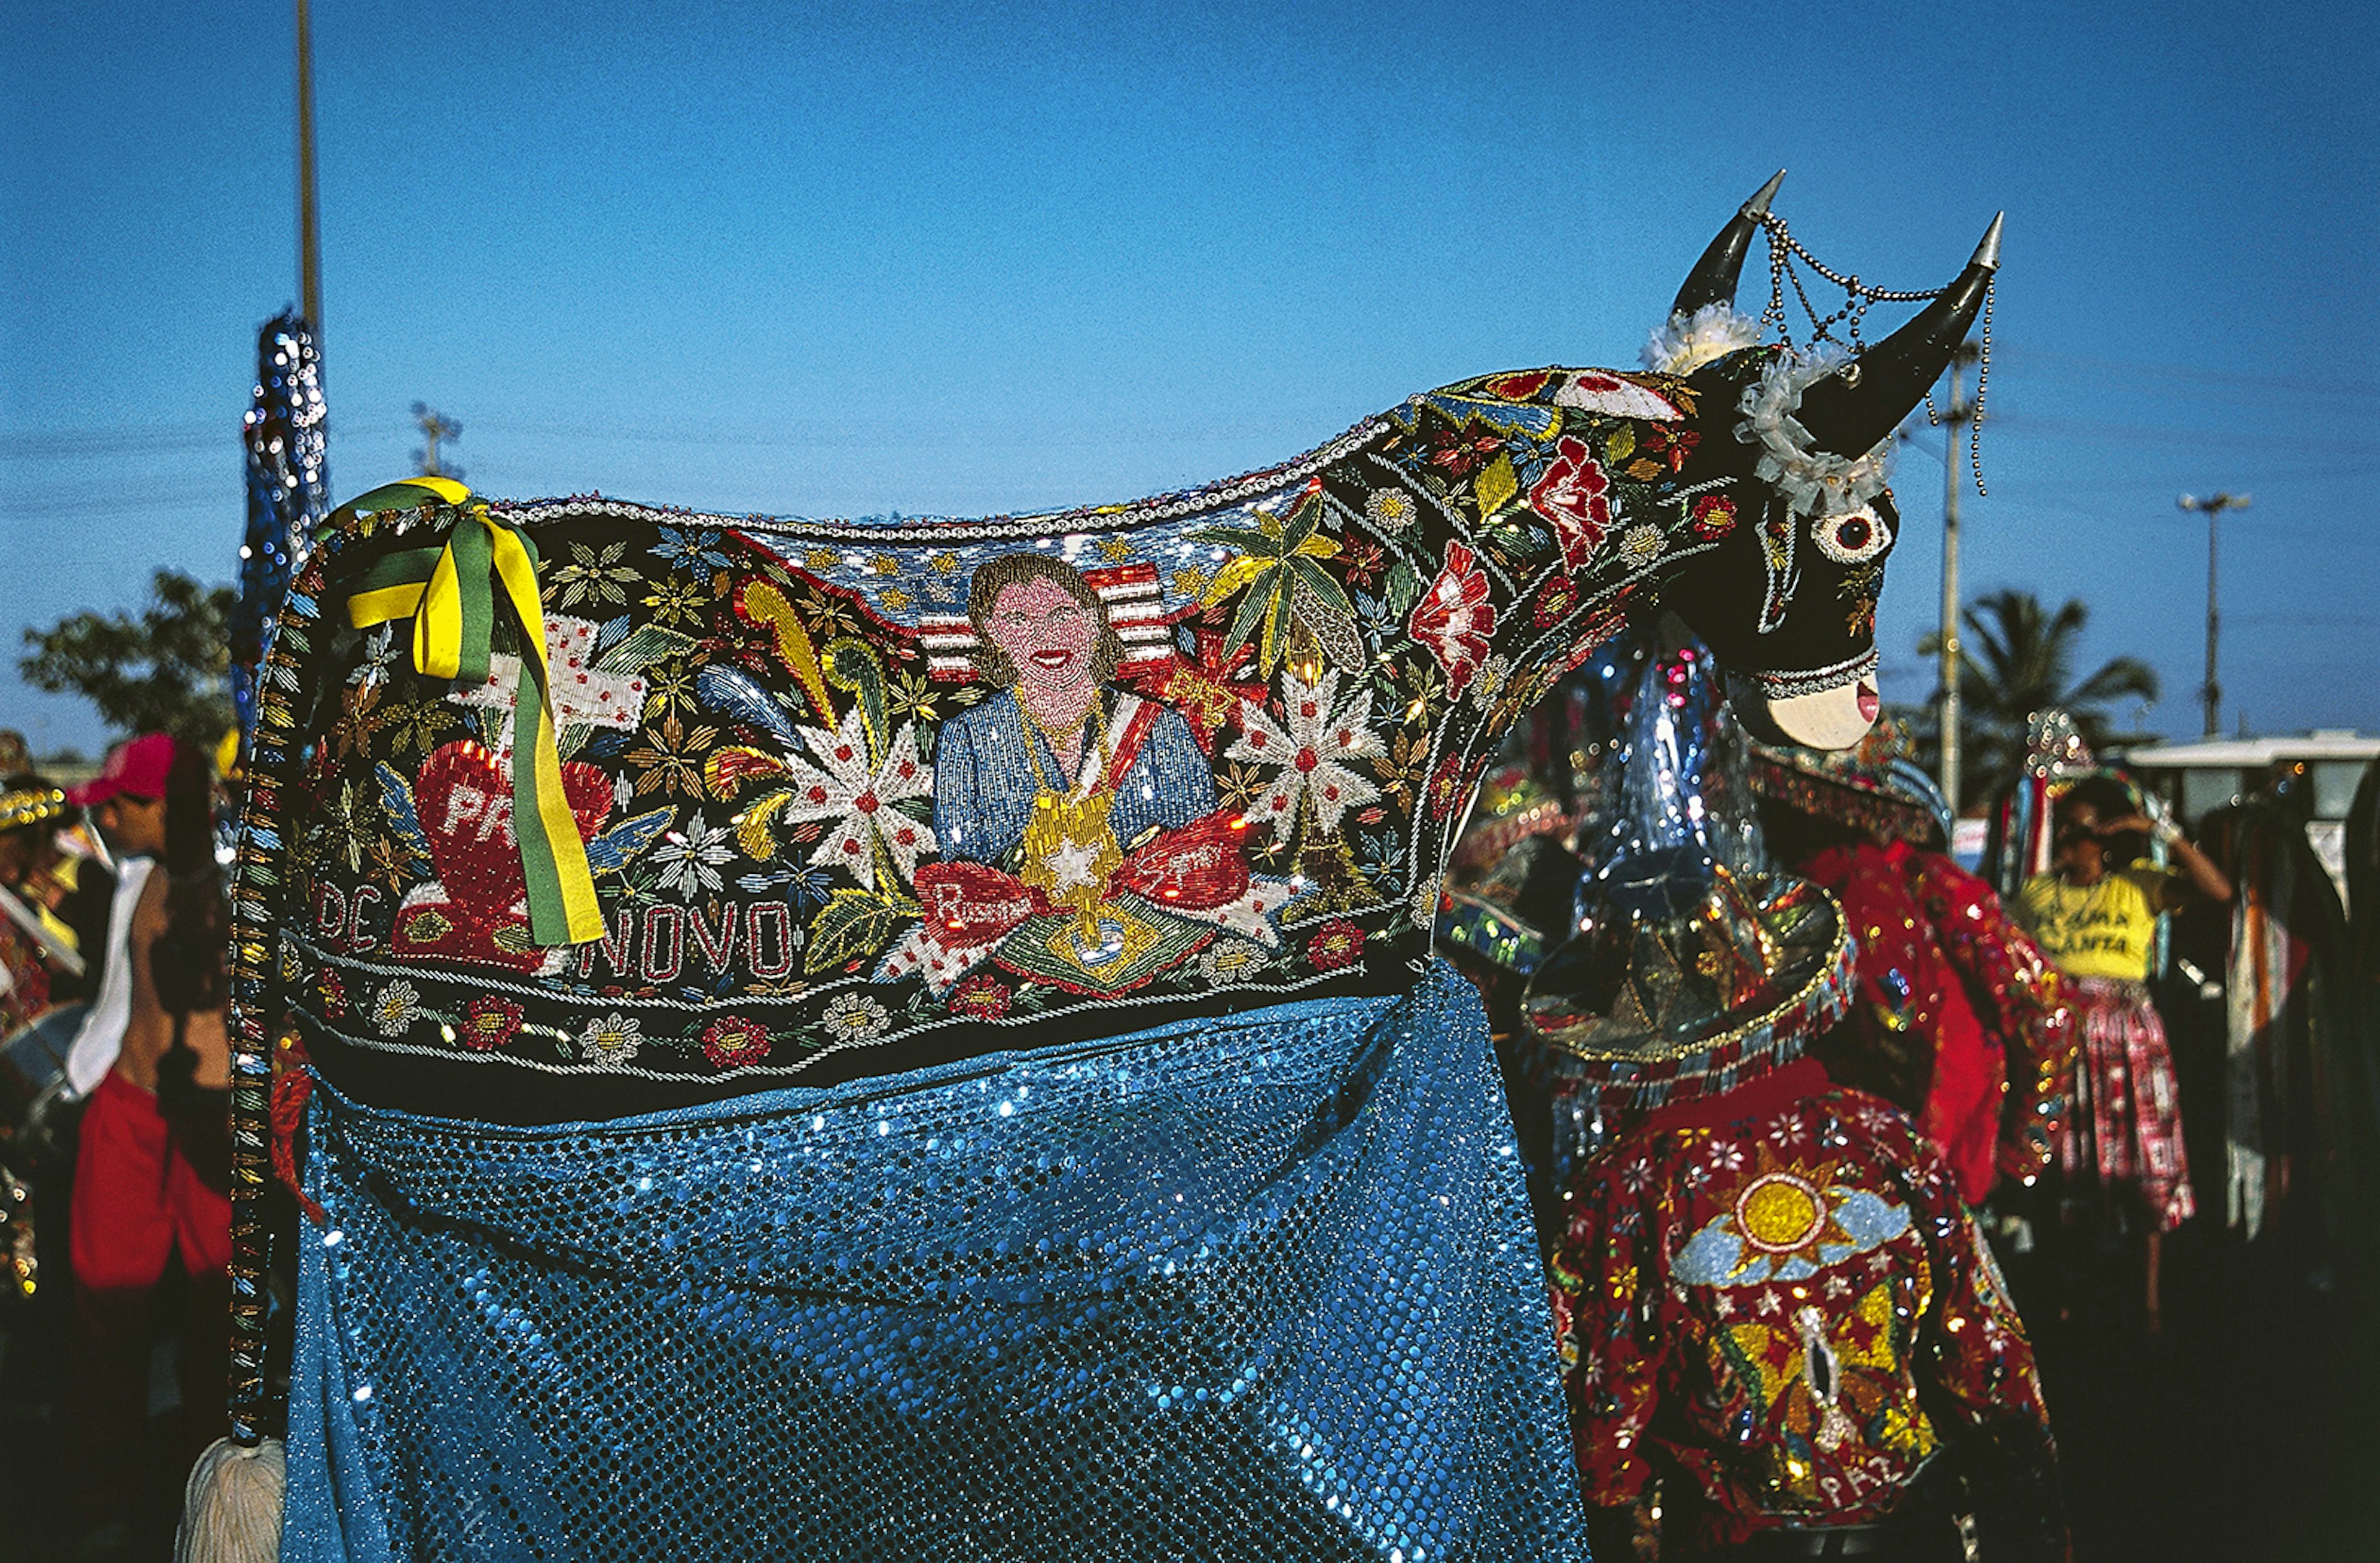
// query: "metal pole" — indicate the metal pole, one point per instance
point(435, 427)
point(2213, 505)
point(309, 234)
point(2213, 631)
point(1951, 651)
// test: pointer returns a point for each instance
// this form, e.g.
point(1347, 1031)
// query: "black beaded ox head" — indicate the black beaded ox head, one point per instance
point(1741, 484)
point(1787, 600)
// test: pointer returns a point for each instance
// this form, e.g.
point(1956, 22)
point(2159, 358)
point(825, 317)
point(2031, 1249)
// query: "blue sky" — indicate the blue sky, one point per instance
point(848, 260)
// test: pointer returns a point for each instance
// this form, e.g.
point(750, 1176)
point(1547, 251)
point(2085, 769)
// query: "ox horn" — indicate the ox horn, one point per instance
point(1850, 411)
point(1713, 279)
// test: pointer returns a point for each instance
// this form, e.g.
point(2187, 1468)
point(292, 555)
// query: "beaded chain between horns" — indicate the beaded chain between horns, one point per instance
point(1782, 250)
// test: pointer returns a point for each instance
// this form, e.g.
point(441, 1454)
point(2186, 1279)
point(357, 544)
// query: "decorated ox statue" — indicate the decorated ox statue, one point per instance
point(884, 1040)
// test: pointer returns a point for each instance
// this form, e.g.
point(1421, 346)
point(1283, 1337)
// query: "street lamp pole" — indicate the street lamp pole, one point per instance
point(2213, 505)
point(309, 232)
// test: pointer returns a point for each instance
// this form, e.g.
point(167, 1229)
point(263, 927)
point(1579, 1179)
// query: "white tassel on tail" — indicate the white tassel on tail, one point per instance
point(231, 1505)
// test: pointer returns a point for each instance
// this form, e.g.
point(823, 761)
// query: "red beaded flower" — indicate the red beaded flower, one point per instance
point(1337, 944)
point(1454, 618)
point(1713, 516)
point(1669, 445)
point(981, 996)
point(1575, 495)
point(1448, 784)
point(1556, 603)
point(735, 1041)
point(489, 1023)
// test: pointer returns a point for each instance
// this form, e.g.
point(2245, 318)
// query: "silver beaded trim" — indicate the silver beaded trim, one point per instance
point(1786, 685)
point(1784, 248)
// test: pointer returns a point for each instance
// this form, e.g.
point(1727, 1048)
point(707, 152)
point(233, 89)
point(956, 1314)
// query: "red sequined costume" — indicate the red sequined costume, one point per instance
point(1958, 1019)
point(24, 980)
point(1774, 1301)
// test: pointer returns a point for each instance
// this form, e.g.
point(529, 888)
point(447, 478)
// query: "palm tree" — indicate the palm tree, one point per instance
point(2019, 658)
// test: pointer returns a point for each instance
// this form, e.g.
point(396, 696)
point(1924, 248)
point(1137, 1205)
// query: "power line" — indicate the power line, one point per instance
point(120, 442)
point(2309, 621)
point(226, 496)
point(2018, 357)
point(2039, 424)
point(2129, 482)
point(161, 438)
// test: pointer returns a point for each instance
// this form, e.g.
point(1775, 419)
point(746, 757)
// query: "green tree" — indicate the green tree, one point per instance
point(2018, 657)
point(163, 670)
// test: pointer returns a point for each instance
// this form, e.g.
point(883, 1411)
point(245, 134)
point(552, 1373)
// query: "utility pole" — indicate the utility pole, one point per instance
point(2213, 505)
point(435, 426)
point(1954, 420)
point(309, 232)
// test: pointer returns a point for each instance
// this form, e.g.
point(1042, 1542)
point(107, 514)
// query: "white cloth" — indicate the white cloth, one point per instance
point(101, 1036)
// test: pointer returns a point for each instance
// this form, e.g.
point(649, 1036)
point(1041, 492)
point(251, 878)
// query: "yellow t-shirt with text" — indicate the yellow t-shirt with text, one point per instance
point(2103, 930)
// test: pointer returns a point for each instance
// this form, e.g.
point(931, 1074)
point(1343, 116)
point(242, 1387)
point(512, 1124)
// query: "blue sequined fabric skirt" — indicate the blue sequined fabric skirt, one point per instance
point(1260, 1288)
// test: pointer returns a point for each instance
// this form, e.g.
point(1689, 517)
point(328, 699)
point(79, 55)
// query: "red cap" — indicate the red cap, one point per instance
point(136, 767)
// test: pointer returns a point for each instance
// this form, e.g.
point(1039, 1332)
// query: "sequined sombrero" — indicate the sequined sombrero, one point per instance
point(35, 803)
point(1685, 983)
point(1873, 785)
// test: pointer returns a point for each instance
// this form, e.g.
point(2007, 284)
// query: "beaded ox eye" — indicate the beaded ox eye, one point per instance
point(1851, 537)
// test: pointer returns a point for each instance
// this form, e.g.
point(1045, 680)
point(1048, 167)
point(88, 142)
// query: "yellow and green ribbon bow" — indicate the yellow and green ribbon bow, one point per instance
point(452, 593)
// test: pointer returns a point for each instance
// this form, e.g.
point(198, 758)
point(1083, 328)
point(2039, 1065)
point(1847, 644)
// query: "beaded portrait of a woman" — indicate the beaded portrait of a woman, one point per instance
point(1060, 773)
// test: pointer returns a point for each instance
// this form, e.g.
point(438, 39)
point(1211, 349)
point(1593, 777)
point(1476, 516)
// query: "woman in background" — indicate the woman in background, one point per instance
point(2094, 915)
point(153, 1173)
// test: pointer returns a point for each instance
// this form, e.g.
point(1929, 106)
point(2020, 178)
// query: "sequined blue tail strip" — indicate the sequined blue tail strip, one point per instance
point(1247, 1290)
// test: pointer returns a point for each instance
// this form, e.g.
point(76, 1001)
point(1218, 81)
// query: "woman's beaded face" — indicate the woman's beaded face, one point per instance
point(1046, 635)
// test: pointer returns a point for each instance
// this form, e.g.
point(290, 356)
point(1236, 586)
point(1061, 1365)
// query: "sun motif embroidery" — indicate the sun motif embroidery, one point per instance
point(1786, 1223)
point(1779, 1212)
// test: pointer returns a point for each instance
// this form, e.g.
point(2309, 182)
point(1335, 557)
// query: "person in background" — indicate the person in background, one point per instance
point(126, 802)
point(1781, 1332)
point(153, 1173)
point(68, 893)
point(53, 917)
point(2094, 915)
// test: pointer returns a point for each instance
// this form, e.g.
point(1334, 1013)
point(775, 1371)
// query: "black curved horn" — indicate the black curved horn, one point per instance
point(1713, 279)
point(1856, 407)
